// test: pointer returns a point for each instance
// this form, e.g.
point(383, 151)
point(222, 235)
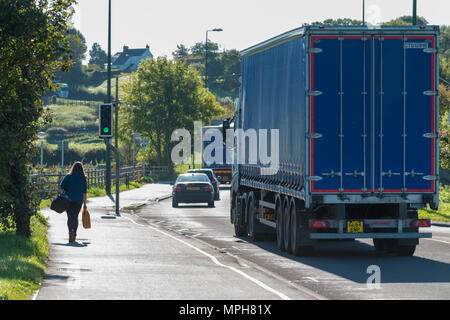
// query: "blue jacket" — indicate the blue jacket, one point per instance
point(75, 186)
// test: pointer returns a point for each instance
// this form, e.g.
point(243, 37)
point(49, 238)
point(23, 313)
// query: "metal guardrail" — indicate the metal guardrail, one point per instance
point(47, 185)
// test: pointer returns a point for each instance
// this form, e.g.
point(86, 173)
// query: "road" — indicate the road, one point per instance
point(337, 270)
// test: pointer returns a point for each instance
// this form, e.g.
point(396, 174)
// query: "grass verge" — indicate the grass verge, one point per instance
point(23, 261)
point(443, 213)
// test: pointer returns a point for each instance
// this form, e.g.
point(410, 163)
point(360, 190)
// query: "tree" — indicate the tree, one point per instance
point(163, 96)
point(33, 45)
point(199, 49)
point(181, 52)
point(406, 20)
point(77, 52)
point(231, 61)
point(98, 56)
point(336, 22)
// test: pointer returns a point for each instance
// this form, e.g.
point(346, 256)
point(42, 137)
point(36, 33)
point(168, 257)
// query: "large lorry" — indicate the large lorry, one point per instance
point(357, 113)
point(222, 167)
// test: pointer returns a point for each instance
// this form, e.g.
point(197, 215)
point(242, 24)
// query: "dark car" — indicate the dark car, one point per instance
point(212, 177)
point(193, 188)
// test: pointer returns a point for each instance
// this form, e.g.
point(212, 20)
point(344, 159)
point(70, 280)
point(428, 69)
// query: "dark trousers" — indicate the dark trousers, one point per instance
point(72, 216)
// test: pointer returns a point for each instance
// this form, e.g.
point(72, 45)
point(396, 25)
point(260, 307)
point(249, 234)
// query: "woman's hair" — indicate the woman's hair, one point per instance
point(78, 167)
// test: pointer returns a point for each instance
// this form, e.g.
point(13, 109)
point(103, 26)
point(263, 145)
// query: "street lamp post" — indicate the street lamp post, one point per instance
point(108, 100)
point(206, 54)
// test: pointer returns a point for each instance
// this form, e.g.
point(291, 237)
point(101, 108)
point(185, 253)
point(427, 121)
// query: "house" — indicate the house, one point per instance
point(129, 59)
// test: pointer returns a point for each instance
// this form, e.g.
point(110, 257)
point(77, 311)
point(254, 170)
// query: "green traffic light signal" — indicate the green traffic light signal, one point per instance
point(105, 120)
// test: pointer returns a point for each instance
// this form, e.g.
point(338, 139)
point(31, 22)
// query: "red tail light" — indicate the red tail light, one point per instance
point(207, 188)
point(178, 188)
point(421, 223)
point(319, 224)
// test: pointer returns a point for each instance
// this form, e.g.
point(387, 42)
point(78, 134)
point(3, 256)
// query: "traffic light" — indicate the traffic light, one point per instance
point(105, 112)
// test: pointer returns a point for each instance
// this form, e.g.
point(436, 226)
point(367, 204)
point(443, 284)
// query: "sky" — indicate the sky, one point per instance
point(162, 24)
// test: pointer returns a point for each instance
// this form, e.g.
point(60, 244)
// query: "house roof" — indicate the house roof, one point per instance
point(122, 57)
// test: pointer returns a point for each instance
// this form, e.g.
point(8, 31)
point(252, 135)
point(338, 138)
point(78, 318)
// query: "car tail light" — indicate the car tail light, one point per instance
point(319, 224)
point(177, 188)
point(207, 188)
point(421, 223)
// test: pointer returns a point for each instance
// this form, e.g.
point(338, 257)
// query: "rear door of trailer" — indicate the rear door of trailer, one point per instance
point(373, 113)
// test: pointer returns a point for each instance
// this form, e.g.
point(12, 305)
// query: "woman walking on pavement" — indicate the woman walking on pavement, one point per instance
point(75, 186)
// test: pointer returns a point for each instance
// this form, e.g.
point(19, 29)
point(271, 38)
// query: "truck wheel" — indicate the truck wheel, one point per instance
point(280, 227)
point(287, 224)
point(295, 234)
point(379, 245)
point(405, 251)
point(252, 221)
point(384, 245)
point(239, 228)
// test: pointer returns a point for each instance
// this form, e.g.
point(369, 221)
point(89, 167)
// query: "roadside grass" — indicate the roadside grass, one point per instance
point(73, 117)
point(23, 261)
point(102, 88)
point(443, 213)
point(100, 191)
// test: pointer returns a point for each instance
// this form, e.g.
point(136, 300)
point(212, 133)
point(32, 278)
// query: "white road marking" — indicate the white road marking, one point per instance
point(217, 262)
point(437, 240)
point(311, 278)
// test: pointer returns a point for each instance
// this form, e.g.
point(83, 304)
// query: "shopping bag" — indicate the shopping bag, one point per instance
point(86, 218)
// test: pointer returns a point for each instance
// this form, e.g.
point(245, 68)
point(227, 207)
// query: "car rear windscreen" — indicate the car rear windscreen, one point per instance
point(200, 178)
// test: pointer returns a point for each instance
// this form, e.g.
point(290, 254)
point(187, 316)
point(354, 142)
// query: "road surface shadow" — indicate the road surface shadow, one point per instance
point(73, 244)
point(350, 260)
point(188, 206)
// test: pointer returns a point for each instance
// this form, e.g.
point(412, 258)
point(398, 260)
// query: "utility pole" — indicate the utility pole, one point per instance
point(364, 11)
point(108, 100)
point(414, 16)
point(116, 144)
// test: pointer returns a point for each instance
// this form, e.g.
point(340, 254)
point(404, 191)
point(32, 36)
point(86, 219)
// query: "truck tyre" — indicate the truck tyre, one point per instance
point(295, 234)
point(239, 227)
point(405, 251)
point(384, 245)
point(287, 225)
point(280, 227)
point(253, 223)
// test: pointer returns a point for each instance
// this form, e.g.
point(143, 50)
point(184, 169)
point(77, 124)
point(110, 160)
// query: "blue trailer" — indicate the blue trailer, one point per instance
point(357, 112)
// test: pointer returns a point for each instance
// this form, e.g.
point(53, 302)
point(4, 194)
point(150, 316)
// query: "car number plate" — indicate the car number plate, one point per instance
point(355, 226)
point(193, 188)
